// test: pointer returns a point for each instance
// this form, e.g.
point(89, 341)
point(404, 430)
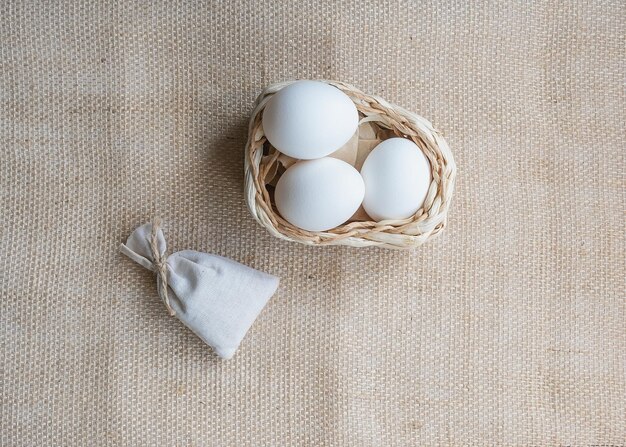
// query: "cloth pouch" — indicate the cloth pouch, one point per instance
point(217, 298)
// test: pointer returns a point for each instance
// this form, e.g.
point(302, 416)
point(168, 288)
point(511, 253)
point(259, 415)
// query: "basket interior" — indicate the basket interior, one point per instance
point(369, 134)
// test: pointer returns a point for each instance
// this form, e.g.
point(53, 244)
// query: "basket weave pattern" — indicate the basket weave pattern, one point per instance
point(426, 223)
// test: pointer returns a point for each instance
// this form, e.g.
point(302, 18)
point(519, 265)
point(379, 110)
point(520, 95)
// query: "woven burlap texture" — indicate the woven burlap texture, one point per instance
point(508, 329)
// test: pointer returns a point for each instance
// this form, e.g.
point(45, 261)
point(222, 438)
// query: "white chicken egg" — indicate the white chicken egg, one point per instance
point(397, 176)
point(309, 119)
point(317, 195)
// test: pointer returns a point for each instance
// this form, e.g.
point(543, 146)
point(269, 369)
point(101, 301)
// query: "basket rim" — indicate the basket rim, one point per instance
point(425, 224)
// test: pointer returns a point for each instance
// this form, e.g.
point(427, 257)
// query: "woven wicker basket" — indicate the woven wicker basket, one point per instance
point(407, 233)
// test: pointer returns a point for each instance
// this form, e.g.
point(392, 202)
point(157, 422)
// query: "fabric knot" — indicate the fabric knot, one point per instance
point(160, 266)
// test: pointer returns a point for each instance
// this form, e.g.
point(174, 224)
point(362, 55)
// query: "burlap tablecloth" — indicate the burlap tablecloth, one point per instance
point(509, 329)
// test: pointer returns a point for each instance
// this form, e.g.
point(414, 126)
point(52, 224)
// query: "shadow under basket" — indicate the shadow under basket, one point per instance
point(262, 165)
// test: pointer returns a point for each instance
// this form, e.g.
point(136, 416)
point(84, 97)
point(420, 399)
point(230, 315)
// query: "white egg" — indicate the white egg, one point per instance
point(397, 176)
point(309, 119)
point(317, 195)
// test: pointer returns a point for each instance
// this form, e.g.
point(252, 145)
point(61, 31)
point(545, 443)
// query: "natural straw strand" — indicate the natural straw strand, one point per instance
point(160, 266)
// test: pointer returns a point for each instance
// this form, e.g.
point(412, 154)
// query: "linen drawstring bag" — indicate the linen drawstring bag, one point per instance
point(217, 298)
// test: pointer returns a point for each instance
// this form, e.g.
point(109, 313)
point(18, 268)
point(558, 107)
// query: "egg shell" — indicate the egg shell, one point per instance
point(318, 195)
point(397, 176)
point(309, 119)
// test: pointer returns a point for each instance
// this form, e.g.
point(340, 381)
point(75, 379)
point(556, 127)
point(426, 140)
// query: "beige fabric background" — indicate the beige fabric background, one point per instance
point(509, 329)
